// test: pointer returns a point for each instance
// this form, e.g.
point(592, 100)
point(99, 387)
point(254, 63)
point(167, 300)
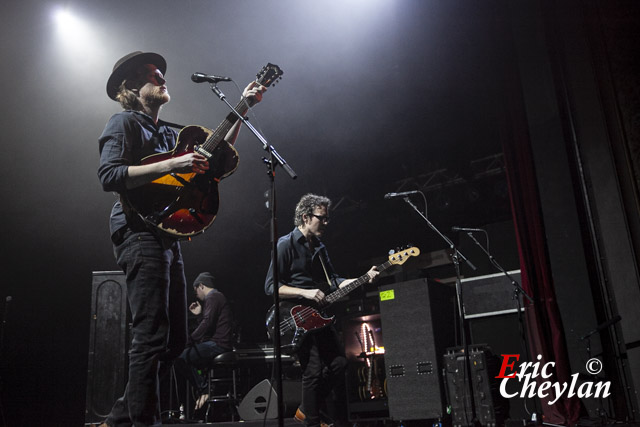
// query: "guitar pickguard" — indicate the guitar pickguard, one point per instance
point(296, 321)
point(308, 318)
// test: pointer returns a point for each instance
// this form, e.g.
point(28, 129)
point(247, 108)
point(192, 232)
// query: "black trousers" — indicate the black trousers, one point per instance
point(323, 376)
point(194, 358)
point(156, 291)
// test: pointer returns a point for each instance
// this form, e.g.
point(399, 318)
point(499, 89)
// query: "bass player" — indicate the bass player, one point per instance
point(153, 266)
point(305, 272)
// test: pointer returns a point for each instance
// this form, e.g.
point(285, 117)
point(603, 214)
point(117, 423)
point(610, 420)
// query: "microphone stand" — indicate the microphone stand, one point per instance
point(456, 255)
point(274, 160)
point(265, 145)
point(517, 290)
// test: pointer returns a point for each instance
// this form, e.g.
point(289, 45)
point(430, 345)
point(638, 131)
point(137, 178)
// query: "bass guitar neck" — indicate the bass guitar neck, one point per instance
point(297, 320)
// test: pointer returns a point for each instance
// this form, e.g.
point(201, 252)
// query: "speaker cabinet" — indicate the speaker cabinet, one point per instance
point(262, 400)
point(108, 344)
point(490, 295)
point(491, 408)
point(418, 321)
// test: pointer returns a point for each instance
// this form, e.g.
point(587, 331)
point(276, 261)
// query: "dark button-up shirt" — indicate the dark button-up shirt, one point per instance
point(300, 267)
point(217, 322)
point(128, 137)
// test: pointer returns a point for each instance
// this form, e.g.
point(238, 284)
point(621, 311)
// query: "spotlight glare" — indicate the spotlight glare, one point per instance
point(72, 31)
point(63, 18)
point(68, 24)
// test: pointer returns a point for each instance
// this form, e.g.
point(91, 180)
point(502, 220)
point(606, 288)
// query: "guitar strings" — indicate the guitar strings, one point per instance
point(305, 313)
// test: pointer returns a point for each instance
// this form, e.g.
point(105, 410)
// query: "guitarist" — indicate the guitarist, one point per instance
point(302, 261)
point(156, 284)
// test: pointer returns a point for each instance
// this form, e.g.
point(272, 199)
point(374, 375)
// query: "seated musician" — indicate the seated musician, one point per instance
point(213, 336)
point(322, 359)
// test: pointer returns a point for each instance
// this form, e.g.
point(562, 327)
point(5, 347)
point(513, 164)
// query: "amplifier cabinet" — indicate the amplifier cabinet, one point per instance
point(418, 319)
point(108, 344)
point(491, 408)
point(489, 295)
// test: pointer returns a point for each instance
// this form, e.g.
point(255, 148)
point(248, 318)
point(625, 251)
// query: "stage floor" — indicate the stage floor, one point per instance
point(289, 422)
point(257, 423)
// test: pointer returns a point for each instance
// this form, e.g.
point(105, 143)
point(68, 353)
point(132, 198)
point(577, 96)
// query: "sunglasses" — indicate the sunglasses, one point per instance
point(322, 218)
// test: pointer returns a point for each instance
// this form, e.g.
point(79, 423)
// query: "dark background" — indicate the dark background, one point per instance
point(376, 95)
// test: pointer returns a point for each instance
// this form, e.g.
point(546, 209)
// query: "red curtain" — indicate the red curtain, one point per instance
point(544, 324)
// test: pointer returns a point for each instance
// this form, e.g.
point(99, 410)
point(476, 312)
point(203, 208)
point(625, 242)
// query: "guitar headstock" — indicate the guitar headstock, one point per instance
point(269, 74)
point(401, 256)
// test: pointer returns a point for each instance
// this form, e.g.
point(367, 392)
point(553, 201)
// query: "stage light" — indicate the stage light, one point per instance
point(73, 31)
point(63, 17)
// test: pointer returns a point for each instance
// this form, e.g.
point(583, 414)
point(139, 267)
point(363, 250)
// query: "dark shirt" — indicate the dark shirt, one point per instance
point(299, 267)
point(128, 137)
point(217, 321)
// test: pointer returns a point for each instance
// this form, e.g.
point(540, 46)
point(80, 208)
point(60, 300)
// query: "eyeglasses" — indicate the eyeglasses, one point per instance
point(322, 218)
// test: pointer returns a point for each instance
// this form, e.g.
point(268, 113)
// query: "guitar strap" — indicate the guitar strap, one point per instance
point(324, 268)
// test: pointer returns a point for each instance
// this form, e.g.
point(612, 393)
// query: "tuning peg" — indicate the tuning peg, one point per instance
point(391, 251)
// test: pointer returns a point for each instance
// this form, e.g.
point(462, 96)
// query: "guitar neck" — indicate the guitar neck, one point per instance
point(223, 128)
point(269, 74)
point(336, 295)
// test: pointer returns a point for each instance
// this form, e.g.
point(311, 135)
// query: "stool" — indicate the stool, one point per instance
point(223, 370)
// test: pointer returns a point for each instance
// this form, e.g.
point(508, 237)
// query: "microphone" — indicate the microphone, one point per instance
point(473, 230)
point(211, 78)
point(403, 194)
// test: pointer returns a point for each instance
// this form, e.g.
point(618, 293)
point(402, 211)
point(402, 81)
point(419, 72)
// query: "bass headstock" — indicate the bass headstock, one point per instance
point(400, 256)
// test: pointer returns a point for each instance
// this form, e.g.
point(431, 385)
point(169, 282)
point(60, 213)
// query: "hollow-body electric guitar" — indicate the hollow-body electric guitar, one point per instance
point(183, 205)
point(297, 320)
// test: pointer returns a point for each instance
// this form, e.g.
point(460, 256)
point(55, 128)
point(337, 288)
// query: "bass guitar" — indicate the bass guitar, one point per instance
point(297, 320)
point(186, 204)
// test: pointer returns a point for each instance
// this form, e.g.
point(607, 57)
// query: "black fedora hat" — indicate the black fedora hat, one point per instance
point(129, 63)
